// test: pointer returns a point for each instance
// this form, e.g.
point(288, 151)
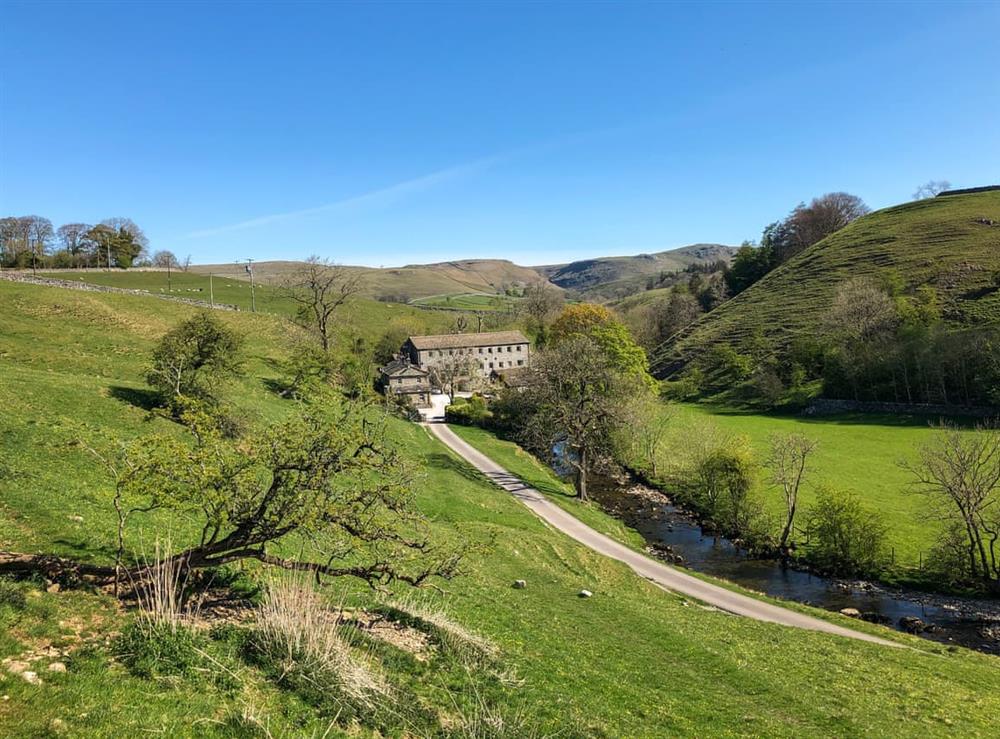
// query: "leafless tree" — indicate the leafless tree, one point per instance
point(165, 259)
point(541, 304)
point(861, 311)
point(788, 463)
point(319, 288)
point(648, 430)
point(930, 189)
point(186, 264)
point(72, 237)
point(823, 216)
point(960, 473)
point(452, 370)
point(127, 224)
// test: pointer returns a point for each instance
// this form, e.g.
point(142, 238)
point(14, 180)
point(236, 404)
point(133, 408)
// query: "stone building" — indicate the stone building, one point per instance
point(482, 352)
point(405, 380)
point(426, 362)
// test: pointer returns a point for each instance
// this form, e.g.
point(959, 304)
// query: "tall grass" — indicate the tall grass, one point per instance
point(299, 633)
point(159, 589)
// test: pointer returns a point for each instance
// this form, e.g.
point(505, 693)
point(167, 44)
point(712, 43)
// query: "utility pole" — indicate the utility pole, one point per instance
point(253, 297)
point(169, 288)
point(211, 290)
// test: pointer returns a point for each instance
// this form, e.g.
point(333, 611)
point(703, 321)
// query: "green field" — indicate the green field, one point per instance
point(364, 315)
point(632, 661)
point(467, 301)
point(946, 243)
point(857, 452)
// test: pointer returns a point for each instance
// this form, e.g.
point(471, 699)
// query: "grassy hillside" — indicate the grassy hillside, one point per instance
point(369, 317)
point(630, 661)
point(619, 276)
point(405, 283)
point(947, 243)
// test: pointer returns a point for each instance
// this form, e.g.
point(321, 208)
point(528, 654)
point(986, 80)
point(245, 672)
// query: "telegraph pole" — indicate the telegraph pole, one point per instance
point(253, 296)
point(211, 290)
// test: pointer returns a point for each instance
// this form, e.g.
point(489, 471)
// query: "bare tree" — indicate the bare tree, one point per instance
point(319, 289)
point(120, 224)
point(823, 216)
point(186, 264)
point(930, 189)
point(861, 311)
point(960, 474)
point(648, 430)
point(39, 236)
point(541, 304)
point(165, 259)
point(72, 238)
point(788, 463)
point(452, 370)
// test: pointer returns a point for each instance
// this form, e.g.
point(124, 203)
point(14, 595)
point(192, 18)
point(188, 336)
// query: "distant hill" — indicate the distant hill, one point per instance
point(614, 277)
point(405, 283)
point(949, 243)
point(595, 279)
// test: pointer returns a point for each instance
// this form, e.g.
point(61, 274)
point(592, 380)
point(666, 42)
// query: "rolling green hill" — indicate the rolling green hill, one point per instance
point(615, 277)
point(950, 243)
point(632, 660)
point(402, 284)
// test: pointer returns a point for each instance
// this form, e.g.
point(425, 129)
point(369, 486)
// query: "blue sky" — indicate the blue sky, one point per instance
point(386, 134)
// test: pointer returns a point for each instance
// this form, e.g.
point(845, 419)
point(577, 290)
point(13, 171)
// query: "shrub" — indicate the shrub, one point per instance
point(192, 359)
point(469, 412)
point(152, 650)
point(843, 536)
point(12, 595)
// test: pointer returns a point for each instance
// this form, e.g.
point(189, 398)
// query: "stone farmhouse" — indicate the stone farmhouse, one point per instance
point(478, 358)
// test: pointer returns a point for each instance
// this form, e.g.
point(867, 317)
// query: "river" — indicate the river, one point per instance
point(672, 533)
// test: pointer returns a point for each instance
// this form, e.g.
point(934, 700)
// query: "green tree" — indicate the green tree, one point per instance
point(577, 398)
point(597, 323)
point(326, 475)
point(844, 536)
point(194, 358)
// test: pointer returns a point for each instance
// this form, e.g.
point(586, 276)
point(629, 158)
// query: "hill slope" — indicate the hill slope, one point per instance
point(949, 243)
point(608, 272)
point(404, 283)
point(72, 365)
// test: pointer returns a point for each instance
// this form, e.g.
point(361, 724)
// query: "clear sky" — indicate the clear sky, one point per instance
point(386, 134)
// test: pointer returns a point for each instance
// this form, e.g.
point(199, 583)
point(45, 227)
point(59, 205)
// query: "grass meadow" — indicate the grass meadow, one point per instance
point(631, 661)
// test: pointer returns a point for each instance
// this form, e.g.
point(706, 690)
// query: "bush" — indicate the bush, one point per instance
point(725, 493)
point(152, 650)
point(12, 595)
point(843, 536)
point(192, 359)
point(469, 412)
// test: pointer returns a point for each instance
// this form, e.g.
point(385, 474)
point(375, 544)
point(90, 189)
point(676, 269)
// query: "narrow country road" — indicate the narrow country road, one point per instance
point(661, 574)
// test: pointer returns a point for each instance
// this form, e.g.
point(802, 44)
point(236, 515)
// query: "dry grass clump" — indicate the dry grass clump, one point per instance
point(302, 638)
point(453, 635)
point(160, 590)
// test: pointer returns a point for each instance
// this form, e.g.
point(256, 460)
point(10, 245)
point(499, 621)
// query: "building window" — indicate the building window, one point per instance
point(491, 365)
point(490, 350)
point(520, 362)
point(519, 347)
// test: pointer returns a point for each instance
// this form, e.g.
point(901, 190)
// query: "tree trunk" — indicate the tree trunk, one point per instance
point(581, 476)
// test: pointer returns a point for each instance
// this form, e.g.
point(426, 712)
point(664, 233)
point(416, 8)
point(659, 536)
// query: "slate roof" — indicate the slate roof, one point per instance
point(401, 368)
point(462, 341)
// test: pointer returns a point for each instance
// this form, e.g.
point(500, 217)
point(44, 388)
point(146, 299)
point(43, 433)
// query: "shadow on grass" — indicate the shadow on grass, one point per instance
point(902, 420)
point(144, 398)
point(442, 461)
